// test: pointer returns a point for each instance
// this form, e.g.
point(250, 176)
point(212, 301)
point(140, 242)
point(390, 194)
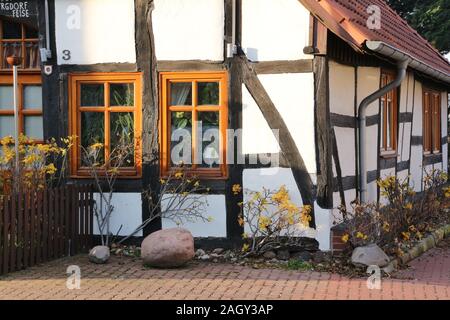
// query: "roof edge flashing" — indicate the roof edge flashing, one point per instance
point(389, 51)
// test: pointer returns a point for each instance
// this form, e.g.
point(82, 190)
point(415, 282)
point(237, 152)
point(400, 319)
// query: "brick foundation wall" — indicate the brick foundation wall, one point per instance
point(337, 245)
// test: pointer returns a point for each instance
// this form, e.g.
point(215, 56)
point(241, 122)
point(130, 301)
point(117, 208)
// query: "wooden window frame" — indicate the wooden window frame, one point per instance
point(165, 125)
point(432, 125)
point(23, 40)
point(23, 80)
point(387, 77)
point(75, 110)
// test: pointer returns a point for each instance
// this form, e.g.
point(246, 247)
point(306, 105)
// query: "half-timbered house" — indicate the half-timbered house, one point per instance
point(335, 93)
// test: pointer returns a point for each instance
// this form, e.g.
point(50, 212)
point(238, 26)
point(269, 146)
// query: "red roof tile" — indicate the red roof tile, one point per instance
point(352, 16)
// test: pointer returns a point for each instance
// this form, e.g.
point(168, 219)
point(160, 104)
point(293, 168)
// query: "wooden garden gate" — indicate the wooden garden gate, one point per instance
point(36, 227)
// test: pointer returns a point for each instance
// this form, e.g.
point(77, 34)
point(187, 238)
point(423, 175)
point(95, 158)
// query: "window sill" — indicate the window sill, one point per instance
point(388, 154)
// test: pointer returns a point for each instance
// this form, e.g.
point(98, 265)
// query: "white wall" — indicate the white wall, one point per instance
point(216, 209)
point(127, 213)
point(189, 29)
point(95, 31)
point(342, 89)
point(274, 29)
point(293, 96)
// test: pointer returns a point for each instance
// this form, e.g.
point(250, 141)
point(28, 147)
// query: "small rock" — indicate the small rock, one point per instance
point(303, 256)
point(99, 254)
point(200, 252)
point(283, 255)
point(215, 255)
point(215, 260)
point(371, 255)
point(204, 257)
point(321, 257)
point(234, 260)
point(269, 255)
point(218, 251)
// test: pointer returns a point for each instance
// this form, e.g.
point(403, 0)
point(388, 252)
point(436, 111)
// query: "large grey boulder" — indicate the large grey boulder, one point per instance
point(169, 248)
point(99, 254)
point(371, 255)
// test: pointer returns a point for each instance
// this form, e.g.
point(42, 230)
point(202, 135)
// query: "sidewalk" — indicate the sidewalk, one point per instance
point(124, 278)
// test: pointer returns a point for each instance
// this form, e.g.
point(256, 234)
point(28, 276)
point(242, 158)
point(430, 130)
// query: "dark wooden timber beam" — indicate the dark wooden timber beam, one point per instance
point(274, 119)
point(277, 67)
point(189, 65)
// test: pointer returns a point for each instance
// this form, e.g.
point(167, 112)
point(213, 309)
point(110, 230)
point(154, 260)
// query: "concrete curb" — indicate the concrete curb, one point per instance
point(423, 246)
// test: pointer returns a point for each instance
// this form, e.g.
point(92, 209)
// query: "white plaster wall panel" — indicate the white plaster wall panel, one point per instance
point(416, 167)
point(372, 147)
point(324, 223)
point(345, 138)
point(383, 175)
point(405, 137)
point(127, 214)
point(189, 29)
point(257, 137)
point(216, 209)
point(368, 83)
point(402, 175)
point(274, 30)
point(95, 31)
point(293, 96)
point(368, 79)
point(342, 89)
point(272, 179)
point(417, 116)
point(372, 191)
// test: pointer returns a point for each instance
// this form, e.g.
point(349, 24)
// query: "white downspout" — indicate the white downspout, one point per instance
point(231, 47)
point(46, 53)
point(402, 65)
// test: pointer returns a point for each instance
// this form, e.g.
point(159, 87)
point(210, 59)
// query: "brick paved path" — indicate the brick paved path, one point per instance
point(428, 278)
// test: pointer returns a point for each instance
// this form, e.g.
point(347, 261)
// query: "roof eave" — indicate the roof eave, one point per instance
point(389, 51)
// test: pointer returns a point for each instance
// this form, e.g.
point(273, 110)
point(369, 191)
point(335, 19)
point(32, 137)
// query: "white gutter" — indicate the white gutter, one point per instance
point(391, 52)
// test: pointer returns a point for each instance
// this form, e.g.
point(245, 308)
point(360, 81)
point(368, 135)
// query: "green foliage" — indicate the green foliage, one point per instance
point(299, 265)
point(431, 18)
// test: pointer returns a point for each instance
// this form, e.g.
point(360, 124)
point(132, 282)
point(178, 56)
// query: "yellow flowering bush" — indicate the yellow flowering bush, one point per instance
point(37, 163)
point(404, 216)
point(272, 220)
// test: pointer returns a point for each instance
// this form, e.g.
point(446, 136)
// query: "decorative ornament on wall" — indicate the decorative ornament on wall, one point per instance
point(48, 70)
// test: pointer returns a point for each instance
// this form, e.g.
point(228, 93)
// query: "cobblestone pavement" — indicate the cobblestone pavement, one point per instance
point(125, 278)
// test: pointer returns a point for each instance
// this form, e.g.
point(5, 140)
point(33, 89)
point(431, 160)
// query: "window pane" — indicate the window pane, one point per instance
point(6, 98)
point(122, 138)
point(12, 30)
point(32, 96)
point(6, 126)
point(34, 127)
point(181, 138)
point(208, 93)
point(92, 131)
point(92, 95)
point(389, 126)
point(122, 94)
point(210, 136)
point(181, 94)
point(32, 58)
point(31, 33)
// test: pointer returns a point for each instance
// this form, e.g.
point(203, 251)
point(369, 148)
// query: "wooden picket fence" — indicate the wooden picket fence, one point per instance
point(36, 227)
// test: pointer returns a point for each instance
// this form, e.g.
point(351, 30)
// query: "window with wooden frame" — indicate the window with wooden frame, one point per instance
point(431, 122)
point(29, 106)
point(22, 40)
point(389, 109)
point(194, 120)
point(103, 108)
